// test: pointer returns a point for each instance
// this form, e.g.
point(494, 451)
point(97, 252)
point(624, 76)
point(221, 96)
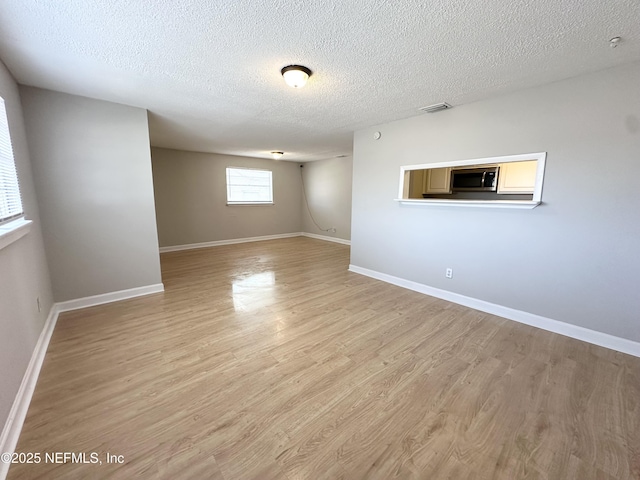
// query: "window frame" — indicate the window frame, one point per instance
point(536, 200)
point(14, 226)
point(10, 195)
point(231, 202)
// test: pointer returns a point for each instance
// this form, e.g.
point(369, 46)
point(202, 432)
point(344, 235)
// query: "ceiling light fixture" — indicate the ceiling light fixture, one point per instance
point(296, 75)
point(277, 155)
point(614, 42)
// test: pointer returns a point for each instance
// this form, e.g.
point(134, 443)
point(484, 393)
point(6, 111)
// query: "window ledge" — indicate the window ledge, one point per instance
point(12, 231)
point(527, 204)
point(259, 204)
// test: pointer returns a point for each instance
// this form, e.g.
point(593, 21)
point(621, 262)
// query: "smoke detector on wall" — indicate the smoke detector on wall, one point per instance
point(436, 107)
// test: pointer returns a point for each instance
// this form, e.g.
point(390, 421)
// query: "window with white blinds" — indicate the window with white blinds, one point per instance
point(10, 202)
point(249, 186)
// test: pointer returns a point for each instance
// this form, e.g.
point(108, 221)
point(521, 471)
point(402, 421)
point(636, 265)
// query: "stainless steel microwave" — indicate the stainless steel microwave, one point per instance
point(475, 179)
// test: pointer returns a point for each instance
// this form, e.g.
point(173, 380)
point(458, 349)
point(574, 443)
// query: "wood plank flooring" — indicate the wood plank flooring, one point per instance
point(270, 360)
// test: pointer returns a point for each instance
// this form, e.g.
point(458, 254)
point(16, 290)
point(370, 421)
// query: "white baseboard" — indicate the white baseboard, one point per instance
point(18, 412)
point(580, 333)
point(109, 297)
point(232, 241)
point(326, 238)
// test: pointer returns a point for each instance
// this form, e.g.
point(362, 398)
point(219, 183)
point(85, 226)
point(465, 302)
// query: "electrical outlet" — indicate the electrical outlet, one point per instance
point(449, 273)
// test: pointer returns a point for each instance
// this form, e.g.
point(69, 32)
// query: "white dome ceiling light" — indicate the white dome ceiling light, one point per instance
point(296, 75)
point(277, 155)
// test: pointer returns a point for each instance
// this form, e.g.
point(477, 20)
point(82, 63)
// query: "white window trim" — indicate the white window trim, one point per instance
point(11, 199)
point(14, 230)
point(540, 157)
point(14, 226)
point(249, 203)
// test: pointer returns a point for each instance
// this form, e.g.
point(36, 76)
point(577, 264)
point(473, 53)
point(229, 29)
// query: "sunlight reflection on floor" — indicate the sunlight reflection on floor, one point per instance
point(253, 292)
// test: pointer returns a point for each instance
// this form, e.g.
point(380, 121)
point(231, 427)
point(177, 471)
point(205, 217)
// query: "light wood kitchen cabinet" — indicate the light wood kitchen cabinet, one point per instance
point(517, 177)
point(437, 180)
point(416, 181)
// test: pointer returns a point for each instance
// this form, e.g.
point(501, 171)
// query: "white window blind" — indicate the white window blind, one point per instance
point(10, 202)
point(248, 185)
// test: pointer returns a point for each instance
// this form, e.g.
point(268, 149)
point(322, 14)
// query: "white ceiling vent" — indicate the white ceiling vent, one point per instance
point(436, 107)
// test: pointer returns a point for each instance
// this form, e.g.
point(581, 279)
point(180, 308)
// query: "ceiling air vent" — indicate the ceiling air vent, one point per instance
point(436, 107)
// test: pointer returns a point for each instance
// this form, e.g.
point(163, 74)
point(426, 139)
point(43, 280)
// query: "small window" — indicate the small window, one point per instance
point(249, 186)
point(10, 202)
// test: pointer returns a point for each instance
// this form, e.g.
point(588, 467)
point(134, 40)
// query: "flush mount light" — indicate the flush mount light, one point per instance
point(614, 42)
point(295, 75)
point(277, 155)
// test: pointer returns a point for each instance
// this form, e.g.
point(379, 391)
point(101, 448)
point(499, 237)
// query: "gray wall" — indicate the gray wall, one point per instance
point(23, 268)
point(92, 170)
point(328, 187)
point(573, 259)
point(191, 198)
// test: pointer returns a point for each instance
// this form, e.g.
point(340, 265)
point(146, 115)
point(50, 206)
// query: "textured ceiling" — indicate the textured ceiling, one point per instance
point(209, 71)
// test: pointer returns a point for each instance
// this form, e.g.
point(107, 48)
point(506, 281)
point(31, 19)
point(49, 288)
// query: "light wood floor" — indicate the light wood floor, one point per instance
point(270, 360)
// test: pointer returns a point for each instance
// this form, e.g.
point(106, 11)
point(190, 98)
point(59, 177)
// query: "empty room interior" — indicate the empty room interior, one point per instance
point(320, 240)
